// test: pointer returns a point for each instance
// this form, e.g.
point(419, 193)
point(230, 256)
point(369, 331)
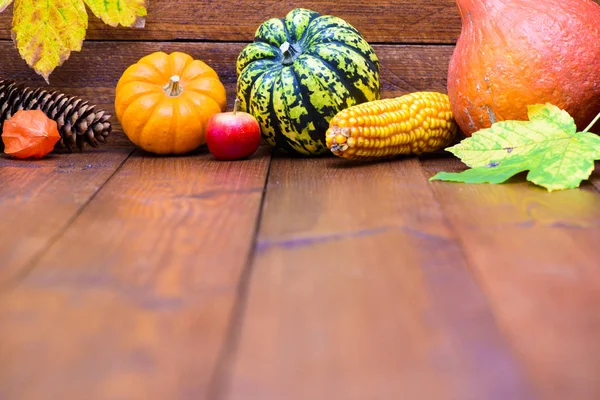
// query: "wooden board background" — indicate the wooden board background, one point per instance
point(84, 316)
point(413, 39)
point(109, 198)
point(380, 21)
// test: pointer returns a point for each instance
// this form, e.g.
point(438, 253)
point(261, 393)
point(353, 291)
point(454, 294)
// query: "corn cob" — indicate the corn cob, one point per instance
point(415, 123)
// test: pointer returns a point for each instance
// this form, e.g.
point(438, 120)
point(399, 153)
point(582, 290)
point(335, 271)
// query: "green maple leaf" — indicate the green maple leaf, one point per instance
point(548, 146)
point(47, 31)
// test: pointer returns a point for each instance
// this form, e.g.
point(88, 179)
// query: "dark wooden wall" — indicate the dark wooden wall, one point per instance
point(402, 21)
point(413, 39)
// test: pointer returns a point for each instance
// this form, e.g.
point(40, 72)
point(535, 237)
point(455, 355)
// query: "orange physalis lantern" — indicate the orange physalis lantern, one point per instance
point(29, 134)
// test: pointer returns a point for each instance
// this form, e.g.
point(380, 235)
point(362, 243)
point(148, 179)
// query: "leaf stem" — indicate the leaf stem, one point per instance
point(592, 123)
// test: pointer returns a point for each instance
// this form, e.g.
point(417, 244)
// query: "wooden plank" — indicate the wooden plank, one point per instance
point(537, 256)
point(381, 21)
point(596, 174)
point(39, 199)
point(133, 300)
point(94, 72)
point(360, 291)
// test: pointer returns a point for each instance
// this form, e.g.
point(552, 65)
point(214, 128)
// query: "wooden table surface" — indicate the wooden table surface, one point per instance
point(126, 276)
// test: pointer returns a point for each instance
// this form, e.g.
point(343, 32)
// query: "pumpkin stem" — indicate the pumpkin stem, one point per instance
point(236, 106)
point(173, 88)
point(468, 9)
point(290, 53)
point(592, 123)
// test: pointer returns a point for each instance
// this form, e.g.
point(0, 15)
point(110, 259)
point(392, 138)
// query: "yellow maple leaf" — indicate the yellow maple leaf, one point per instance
point(119, 12)
point(47, 31)
point(4, 4)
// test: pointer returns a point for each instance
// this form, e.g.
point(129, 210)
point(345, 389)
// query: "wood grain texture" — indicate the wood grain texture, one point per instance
point(536, 256)
point(360, 291)
point(100, 65)
point(134, 299)
point(401, 21)
point(595, 178)
point(93, 74)
point(380, 21)
point(365, 282)
point(39, 199)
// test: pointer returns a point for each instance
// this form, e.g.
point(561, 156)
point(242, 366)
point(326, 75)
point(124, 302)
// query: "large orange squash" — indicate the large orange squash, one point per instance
point(513, 53)
point(165, 101)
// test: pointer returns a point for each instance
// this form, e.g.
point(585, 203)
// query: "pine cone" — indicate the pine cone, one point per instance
point(78, 122)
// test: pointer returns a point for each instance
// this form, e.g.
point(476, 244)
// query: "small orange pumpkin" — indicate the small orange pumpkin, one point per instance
point(164, 102)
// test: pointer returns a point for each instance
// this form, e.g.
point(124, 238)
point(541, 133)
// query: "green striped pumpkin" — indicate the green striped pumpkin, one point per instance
point(299, 72)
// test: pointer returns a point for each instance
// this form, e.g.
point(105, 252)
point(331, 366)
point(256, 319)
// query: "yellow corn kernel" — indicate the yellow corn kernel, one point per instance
point(342, 122)
point(340, 138)
point(415, 123)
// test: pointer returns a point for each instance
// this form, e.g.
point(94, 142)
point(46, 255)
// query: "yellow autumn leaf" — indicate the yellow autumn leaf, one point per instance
point(119, 12)
point(47, 31)
point(4, 4)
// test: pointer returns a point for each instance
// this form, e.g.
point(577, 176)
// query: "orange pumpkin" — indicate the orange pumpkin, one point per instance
point(164, 102)
point(514, 53)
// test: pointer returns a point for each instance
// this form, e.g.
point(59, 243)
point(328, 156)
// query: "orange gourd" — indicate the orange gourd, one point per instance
point(164, 102)
point(513, 53)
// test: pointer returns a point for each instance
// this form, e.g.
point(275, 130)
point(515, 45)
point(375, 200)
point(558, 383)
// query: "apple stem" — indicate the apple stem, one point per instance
point(236, 106)
point(173, 88)
point(592, 123)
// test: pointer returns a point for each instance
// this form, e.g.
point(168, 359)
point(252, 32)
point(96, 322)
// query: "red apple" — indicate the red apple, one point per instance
point(232, 135)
